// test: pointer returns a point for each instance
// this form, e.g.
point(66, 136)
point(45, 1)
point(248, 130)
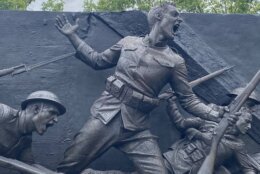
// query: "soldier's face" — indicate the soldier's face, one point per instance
point(244, 122)
point(170, 22)
point(46, 117)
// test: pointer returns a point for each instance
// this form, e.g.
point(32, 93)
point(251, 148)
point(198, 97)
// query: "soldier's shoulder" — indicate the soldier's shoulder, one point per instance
point(7, 112)
point(178, 59)
point(130, 40)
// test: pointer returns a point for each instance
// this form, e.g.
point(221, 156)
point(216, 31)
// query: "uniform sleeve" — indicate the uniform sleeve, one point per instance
point(99, 61)
point(247, 163)
point(6, 112)
point(174, 114)
point(178, 119)
point(187, 98)
point(25, 154)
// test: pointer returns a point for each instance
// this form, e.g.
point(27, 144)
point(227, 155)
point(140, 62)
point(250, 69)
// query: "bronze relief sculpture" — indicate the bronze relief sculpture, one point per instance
point(120, 116)
point(144, 65)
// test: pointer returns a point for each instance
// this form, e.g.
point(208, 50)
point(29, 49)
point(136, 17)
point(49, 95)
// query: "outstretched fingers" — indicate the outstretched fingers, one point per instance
point(77, 21)
point(59, 22)
point(58, 27)
point(65, 18)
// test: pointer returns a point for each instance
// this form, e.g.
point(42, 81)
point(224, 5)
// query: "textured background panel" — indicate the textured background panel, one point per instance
point(207, 42)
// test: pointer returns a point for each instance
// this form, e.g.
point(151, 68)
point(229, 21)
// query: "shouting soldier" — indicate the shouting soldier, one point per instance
point(38, 112)
point(120, 117)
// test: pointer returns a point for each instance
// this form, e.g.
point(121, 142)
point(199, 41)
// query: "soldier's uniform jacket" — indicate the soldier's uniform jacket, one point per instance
point(13, 143)
point(187, 155)
point(146, 70)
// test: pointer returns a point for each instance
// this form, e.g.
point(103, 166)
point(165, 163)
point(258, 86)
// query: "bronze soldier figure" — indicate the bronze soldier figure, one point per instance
point(187, 155)
point(39, 111)
point(120, 117)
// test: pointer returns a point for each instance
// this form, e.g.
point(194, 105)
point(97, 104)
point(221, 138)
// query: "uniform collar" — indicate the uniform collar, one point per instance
point(146, 41)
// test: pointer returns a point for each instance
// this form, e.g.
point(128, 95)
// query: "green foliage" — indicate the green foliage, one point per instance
point(14, 4)
point(194, 6)
point(108, 5)
point(53, 5)
point(89, 5)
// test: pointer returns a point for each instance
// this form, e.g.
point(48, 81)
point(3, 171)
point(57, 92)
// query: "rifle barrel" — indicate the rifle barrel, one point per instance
point(235, 106)
point(18, 165)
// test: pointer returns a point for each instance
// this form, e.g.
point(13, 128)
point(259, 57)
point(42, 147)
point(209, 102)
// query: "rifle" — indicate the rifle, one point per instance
point(209, 76)
point(198, 81)
point(23, 68)
point(23, 167)
point(207, 166)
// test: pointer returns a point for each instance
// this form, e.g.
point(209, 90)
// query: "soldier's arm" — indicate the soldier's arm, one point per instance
point(177, 118)
point(248, 164)
point(94, 59)
point(193, 133)
point(26, 154)
point(99, 61)
point(187, 98)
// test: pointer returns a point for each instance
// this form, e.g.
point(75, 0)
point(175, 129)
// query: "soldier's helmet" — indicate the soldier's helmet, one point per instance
point(44, 96)
point(253, 95)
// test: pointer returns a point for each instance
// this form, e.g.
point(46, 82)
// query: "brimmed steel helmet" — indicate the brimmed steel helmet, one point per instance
point(44, 96)
point(253, 95)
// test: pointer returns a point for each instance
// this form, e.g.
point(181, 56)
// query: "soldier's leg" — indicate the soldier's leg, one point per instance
point(91, 141)
point(142, 148)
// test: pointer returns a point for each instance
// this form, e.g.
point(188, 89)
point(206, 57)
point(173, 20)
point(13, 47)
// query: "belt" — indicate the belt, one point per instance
point(122, 91)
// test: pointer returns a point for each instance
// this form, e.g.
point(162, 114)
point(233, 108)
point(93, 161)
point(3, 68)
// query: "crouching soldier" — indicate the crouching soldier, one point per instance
point(38, 112)
point(186, 155)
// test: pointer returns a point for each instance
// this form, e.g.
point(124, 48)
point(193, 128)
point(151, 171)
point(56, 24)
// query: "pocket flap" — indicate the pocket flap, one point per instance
point(130, 48)
point(164, 62)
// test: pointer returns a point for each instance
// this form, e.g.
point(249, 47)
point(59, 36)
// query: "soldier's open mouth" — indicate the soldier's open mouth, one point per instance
point(175, 28)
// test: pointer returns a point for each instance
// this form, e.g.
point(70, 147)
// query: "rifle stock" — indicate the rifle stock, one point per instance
point(23, 167)
point(208, 165)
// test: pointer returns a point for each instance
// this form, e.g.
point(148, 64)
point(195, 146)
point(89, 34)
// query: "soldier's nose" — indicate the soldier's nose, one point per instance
point(180, 20)
point(55, 119)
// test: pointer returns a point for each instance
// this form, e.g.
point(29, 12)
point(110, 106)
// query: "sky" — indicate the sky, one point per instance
point(70, 5)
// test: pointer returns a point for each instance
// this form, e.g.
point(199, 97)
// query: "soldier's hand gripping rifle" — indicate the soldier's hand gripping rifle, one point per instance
point(209, 162)
point(23, 68)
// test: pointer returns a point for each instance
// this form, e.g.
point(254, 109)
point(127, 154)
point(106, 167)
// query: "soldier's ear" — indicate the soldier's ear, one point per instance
point(158, 16)
point(36, 109)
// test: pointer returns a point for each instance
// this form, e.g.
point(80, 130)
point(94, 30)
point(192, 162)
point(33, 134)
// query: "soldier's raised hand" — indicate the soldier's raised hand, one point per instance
point(64, 26)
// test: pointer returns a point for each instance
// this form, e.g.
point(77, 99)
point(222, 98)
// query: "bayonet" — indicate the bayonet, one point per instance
point(209, 76)
point(24, 68)
point(199, 80)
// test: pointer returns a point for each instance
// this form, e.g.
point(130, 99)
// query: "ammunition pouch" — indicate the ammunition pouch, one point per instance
point(194, 153)
point(129, 96)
